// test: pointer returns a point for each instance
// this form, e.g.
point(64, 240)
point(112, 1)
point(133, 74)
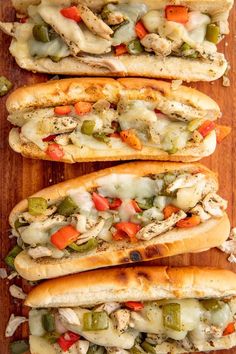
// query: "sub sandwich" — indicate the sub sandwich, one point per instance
point(134, 310)
point(165, 39)
point(86, 119)
point(124, 214)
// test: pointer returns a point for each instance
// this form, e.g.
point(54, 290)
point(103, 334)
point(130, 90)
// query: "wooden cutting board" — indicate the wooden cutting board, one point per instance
point(20, 177)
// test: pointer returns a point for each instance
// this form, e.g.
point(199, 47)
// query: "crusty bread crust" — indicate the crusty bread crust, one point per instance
point(142, 283)
point(69, 91)
point(208, 234)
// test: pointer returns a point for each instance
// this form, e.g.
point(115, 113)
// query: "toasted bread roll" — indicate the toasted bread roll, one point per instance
point(165, 120)
point(160, 55)
point(153, 234)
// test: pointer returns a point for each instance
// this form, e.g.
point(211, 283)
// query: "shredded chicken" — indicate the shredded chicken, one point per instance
point(39, 251)
point(114, 18)
point(121, 317)
point(112, 64)
point(198, 210)
point(94, 23)
point(62, 139)
point(31, 218)
point(156, 228)
point(17, 292)
point(56, 125)
point(214, 204)
point(153, 42)
point(109, 307)
point(82, 346)
point(91, 233)
point(184, 181)
point(68, 315)
point(13, 323)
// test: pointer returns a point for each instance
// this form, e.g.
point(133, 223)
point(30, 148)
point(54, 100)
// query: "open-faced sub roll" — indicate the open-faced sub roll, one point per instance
point(165, 39)
point(86, 119)
point(128, 213)
point(156, 310)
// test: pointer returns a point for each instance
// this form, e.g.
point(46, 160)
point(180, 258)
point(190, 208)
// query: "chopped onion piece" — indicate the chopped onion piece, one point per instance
point(13, 323)
point(17, 292)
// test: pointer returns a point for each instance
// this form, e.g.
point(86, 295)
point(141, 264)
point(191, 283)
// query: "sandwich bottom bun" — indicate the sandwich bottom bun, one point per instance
point(73, 153)
point(177, 241)
point(144, 65)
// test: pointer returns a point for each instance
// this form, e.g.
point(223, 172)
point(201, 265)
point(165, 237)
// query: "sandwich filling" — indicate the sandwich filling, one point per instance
point(168, 125)
point(122, 210)
point(57, 29)
point(133, 327)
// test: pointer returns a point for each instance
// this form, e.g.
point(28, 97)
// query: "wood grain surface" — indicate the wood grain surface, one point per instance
point(20, 177)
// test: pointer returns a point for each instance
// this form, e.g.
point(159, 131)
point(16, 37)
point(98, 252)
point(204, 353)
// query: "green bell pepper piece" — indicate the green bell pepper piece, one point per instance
point(146, 204)
point(135, 350)
point(51, 337)
point(48, 322)
point(101, 137)
point(172, 316)
point(95, 321)
point(148, 348)
point(37, 205)
point(9, 259)
point(5, 85)
point(19, 347)
point(88, 127)
point(88, 246)
point(135, 47)
point(67, 207)
point(41, 33)
point(212, 33)
point(194, 124)
point(211, 304)
point(18, 224)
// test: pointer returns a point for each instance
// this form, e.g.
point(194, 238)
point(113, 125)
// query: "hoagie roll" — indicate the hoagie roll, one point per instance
point(134, 310)
point(128, 213)
point(86, 119)
point(165, 39)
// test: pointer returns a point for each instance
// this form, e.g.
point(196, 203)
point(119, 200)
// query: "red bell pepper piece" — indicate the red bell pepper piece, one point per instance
point(121, 49)
point(62, 110)
point(140, 30)
point(72, 13)
point(129, 228)
point(101, 203)
point(169, 210)
point(136, 206)
point(64, 237)
point(190, 221)
point(229, 329)
point(115, 203)
point(67, 339)
point(55, 151)
point(82, 107)
point(176, 13)
point(206, 128)
point(50, 138)
point(134, 305)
